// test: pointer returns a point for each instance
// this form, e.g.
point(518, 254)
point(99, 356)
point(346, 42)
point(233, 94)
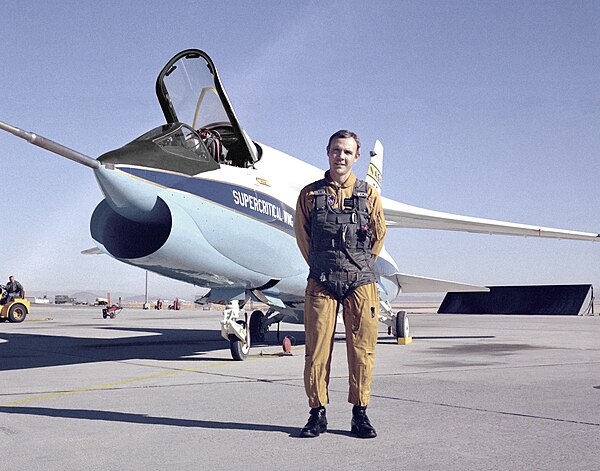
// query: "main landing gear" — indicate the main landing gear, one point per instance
point(397, 323)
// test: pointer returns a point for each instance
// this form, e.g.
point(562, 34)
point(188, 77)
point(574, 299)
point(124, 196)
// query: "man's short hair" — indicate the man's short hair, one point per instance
point(345, 134)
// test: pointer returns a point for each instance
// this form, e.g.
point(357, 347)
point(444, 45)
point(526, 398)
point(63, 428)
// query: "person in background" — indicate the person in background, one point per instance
point(14, 289)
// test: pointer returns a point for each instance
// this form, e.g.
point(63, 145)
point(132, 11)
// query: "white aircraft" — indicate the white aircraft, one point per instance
point(197, 200)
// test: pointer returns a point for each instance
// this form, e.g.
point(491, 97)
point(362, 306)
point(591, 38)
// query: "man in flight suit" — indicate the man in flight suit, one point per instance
point(340, 227)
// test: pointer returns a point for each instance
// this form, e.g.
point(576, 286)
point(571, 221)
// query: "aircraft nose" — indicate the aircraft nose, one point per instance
point(130, 197)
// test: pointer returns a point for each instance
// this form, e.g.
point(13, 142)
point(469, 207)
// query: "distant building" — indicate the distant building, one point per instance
point(36, 300)
point(62, 299)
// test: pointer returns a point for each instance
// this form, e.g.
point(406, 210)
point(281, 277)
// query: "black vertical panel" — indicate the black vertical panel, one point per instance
point(541, 299)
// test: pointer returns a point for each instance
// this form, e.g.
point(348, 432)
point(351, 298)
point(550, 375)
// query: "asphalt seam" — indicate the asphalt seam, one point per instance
point(114, 385)
point(489, 411)
point(485, 368)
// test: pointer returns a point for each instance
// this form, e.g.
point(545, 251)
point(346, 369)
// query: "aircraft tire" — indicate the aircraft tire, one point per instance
point(257, 334)
point(239, 349)
point(17, 313)
point(402, 326)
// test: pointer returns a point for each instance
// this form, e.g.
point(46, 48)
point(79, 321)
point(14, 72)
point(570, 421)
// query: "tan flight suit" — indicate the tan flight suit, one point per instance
point(360, 308)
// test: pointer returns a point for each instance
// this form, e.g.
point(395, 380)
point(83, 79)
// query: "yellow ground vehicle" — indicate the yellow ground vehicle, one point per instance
point(15, 310)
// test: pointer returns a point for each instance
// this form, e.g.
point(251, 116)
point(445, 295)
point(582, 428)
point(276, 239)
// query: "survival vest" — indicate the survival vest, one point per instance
point(340, 253)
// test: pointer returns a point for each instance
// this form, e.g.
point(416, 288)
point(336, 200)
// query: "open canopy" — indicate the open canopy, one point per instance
point(189, 91)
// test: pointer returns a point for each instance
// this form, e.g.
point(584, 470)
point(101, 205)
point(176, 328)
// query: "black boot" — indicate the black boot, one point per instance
point(361, 426)
point(316, 425)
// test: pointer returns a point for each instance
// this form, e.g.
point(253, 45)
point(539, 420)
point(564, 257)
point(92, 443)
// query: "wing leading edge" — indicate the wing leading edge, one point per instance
point(407, 216)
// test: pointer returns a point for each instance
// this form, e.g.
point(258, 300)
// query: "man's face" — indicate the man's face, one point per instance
point(11, 278)
point(342, 153)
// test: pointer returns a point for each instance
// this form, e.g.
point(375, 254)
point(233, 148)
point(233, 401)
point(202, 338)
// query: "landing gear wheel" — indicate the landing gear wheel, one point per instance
point(239, 349)
point(257, 333)
point(402, 326)
point(17, 313)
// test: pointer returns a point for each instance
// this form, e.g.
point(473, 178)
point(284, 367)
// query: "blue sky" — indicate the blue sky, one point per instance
point(488, 109)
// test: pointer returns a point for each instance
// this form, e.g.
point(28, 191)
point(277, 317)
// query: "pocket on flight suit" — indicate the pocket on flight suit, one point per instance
point(317, 303)
point(361, 315)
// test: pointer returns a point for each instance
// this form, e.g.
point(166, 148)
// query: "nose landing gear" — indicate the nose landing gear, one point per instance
point(236, 331)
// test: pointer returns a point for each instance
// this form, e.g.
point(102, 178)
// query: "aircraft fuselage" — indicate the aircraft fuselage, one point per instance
point(225, 227)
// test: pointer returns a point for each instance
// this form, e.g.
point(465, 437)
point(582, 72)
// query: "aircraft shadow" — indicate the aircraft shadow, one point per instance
point(24, 351)
point(111, 416)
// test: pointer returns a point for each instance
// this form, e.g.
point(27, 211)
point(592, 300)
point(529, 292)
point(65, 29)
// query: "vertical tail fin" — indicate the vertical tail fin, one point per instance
point(374, 174)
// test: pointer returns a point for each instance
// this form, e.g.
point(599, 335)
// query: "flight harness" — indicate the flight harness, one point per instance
point(340, 255)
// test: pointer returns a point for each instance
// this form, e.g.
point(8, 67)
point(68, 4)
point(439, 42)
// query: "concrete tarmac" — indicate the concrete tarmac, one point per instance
point(157, 390)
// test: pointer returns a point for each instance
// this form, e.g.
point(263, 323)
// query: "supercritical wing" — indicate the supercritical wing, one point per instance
point(403, 215)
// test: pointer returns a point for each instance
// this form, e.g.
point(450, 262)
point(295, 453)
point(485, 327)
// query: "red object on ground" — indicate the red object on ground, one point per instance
point(287, 344)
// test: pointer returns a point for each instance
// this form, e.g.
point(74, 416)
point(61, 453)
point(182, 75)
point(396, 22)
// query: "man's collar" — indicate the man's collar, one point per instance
point(347, 184)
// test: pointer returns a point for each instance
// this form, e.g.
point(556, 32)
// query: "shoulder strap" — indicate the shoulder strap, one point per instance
point(320, 195)
point(361, 192)
point(361, 188)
